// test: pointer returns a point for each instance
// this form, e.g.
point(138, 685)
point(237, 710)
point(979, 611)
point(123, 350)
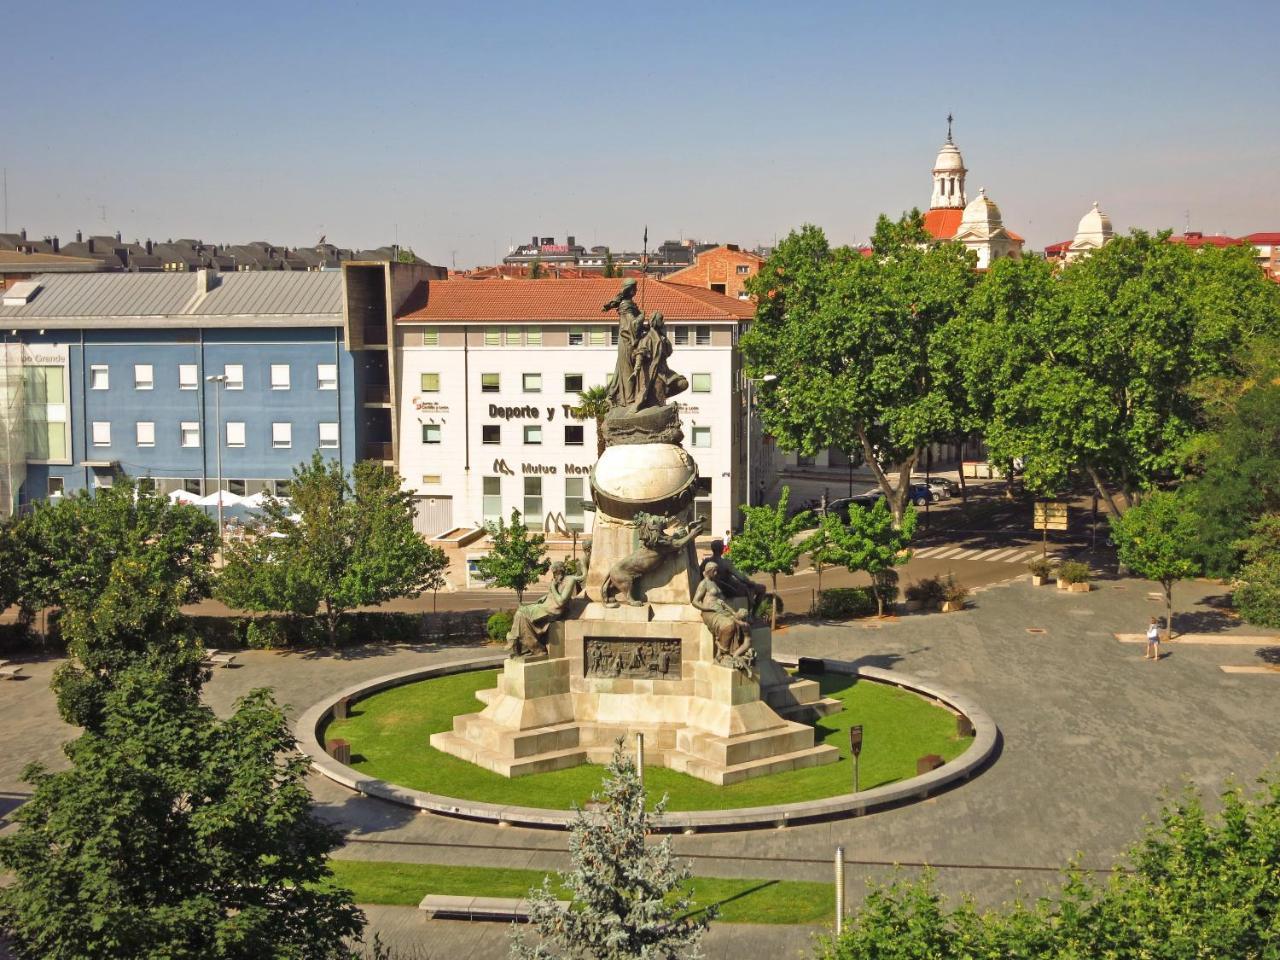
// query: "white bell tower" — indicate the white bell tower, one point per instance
point(948, 176)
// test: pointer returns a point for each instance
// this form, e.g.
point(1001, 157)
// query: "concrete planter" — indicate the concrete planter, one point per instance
point(951, 606)
point(1038, 581)
point(1080, 587)
point(1063, 585)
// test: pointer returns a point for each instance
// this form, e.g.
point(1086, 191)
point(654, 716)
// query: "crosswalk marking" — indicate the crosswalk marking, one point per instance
point(1003, 555)
point(948, 551)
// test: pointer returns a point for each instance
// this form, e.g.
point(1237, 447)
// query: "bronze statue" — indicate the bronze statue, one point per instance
point(532, 621)
point(654, 545)
point(730, 628)
point(631, 326)
point(733, 583)
point(655, 382)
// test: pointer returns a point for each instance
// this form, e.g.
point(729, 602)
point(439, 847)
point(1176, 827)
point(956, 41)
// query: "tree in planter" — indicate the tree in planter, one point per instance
point(770, 543)
point(516, 558)
point(871, 542)
point(174, 835)
point(629, 900)
point(1157, 540)
point(593, 404)
point(354, 545)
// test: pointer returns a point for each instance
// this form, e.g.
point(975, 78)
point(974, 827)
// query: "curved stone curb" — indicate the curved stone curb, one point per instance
point(308, 726)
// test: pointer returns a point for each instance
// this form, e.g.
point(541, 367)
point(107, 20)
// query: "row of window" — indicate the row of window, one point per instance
point(575, 494)
point(532, 383)
point(56, 486)
point(573, 434)
point(144, 376)
point(189, 434)
point(586, 336)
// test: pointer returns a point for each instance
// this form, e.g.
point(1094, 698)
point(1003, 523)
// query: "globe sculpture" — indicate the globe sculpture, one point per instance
point(652, 641)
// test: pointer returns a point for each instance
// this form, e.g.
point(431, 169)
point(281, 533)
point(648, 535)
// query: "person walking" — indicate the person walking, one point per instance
point(1153, 640)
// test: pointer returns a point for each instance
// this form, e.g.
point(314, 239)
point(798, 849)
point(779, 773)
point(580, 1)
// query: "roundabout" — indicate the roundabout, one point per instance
point(390, 718)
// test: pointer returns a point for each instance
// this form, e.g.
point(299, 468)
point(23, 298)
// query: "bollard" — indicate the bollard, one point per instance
point(964, 726)
point(839, 889)
point(340, 750)
point(640, 757)
point(342, 708)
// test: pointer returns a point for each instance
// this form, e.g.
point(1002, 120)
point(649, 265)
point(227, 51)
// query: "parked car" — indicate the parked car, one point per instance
point(921, 494)
point(941, 486)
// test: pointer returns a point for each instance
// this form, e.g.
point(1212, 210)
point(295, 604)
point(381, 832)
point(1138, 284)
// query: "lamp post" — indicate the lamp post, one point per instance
point(751, 382)
point(220, 380)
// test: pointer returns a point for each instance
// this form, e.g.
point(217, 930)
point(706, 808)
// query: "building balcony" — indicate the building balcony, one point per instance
point(379, 451)
point(377, 394)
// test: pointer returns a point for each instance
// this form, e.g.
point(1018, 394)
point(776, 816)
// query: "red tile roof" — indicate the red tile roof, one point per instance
point(1060, 247)
point(515, 300)
point(1196, 239)
point(943, 224)
point(1263, 237)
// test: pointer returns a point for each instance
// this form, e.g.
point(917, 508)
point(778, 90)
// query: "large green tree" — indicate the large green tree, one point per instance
point(352, 544)
point(771, 542)
point(871, 542)
point(858, 346)
point(1257, 595)
point(175, 836)
point(516, 557)
point(1156, 539)
point(630, 899)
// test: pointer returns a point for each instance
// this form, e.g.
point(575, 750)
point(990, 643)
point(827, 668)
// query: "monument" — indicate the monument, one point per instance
point(658, 643)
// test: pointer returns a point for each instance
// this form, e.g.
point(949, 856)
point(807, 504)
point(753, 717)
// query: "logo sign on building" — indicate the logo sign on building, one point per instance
point(1050, 516)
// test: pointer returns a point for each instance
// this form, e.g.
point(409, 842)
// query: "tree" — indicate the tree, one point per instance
point(1156, 539)
point(871, 542)
point(536, 270)
point(610, 270)
point(516, 558)
point(174, 835)
point(1257, 596)
point(353, 545)
point(770, 543)
point(822, 550)
point(857, 345)
point(629, 898)
point(593, 404)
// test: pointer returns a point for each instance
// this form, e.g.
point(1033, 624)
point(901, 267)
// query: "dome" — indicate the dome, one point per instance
point(981, 211)
point(949, 159)
point(1094, 228)
point(655, 477)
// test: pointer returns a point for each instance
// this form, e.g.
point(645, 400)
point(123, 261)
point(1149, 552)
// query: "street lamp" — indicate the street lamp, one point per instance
point(751, 382)
point(220, 379)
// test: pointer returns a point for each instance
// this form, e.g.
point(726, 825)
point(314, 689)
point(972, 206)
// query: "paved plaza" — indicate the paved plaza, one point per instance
point(1091, 735)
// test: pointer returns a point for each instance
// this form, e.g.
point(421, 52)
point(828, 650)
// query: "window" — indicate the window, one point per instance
point(702, 383)
point(533, 434)
point(492, 337)
point(702, 335)
point(431, 433)
point(281, 435)
point(44, 392)
point(188, 376)
point(234, 372)
point(491, 433)
point(717, 288)
point(431, 337)
point(702, 436)
point(492, 500)
point(702, 500)
point(327, 376)
point(55, 487)
point(430, 479)
point(99, 379)
point(533, 337)
point(281, 488)
point(143, 376)
point(103, 478)
point(533, 502)
point(576, 337)
point(573, 487)
point(599, 336)
point(532, 382)
point(489, 383)
point(430, 383)
point(328, 436)
point(102, 433)
point(235, 433)
point(515, 337)
point(680, 336)
point(193, 485)
point(743, 270)
point(237, 487)
point(613, 336)
point(573, 383)
point(145, 431)
point(573, 435)
point(190, 434)
point(279, 376)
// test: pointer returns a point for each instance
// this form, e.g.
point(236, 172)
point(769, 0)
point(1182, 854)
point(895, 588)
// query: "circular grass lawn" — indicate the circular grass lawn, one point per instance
point(389, 734)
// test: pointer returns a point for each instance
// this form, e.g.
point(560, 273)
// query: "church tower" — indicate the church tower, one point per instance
point(948, 176)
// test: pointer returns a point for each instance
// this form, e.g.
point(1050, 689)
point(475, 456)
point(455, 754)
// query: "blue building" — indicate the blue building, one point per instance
point(185, 378)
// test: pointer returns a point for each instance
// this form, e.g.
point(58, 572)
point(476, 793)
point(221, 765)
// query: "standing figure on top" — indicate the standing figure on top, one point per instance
point(631, 327)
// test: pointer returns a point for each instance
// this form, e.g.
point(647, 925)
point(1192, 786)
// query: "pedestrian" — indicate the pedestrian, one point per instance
point(1153, 640)
point(728, 536)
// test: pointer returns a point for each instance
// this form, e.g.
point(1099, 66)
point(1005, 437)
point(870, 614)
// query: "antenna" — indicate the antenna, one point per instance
point(644, 267)
point(1186, 216)
point(103, 208)
point(6, 199)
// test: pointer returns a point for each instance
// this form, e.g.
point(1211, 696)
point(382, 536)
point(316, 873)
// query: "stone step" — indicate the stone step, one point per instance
point(785, 738)
point(796, 760)
point(515, 744)
point(810, 712)
point(472, 752)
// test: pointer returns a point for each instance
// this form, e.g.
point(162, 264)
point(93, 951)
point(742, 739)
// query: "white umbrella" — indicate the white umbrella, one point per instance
point(182, 496)
point(254, 500)
point(229, 499)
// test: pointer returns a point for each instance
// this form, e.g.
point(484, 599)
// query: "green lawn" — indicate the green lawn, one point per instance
point(740, 900)
point(389, 732)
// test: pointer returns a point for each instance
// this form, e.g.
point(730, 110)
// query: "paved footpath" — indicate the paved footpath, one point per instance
point(1091, 734)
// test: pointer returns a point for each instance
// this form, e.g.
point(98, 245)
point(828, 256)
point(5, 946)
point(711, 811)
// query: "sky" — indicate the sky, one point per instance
point(460, 129)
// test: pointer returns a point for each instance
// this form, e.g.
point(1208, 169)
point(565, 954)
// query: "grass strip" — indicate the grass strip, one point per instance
point(741, 900)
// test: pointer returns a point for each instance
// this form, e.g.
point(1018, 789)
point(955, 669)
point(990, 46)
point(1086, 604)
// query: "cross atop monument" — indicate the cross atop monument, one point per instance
point(949, 119)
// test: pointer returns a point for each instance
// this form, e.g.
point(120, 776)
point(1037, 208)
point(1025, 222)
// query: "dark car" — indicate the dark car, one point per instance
point(921, 494)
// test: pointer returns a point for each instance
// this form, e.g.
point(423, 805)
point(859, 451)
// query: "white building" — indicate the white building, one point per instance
point(488, 375)
point(1092, 233)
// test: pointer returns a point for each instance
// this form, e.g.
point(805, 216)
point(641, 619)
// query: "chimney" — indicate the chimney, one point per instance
point(90, 241)
point(118, 240)
point(148, 246)
point(79, 238)
point(571, 240)
point(22, 234)
point(206, 280)
point(55, 243)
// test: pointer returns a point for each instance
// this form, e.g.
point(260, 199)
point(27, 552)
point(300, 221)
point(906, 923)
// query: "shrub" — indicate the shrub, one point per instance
point(1040, 567)
point(844, 603)
point(1258, 597)
point(887, 582)
point(499, 625)
point(1073, 571)
point(953, 592)
point(388, 628)
point(764, 607)
point(930, 590)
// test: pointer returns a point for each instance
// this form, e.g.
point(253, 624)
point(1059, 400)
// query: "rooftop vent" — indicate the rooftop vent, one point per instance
point(20, 294)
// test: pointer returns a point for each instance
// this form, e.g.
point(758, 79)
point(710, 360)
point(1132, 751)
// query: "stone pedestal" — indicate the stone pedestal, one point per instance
point(650, 668)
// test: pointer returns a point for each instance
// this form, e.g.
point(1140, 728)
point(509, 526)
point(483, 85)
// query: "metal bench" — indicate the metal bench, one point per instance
point(477, 908)
point(10, 672)
point(218, 659)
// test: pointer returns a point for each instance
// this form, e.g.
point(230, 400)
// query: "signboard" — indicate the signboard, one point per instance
point(1050, 516)
point(855, 740)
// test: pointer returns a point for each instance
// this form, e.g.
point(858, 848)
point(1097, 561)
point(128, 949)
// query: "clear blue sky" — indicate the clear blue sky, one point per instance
point(464, 127)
